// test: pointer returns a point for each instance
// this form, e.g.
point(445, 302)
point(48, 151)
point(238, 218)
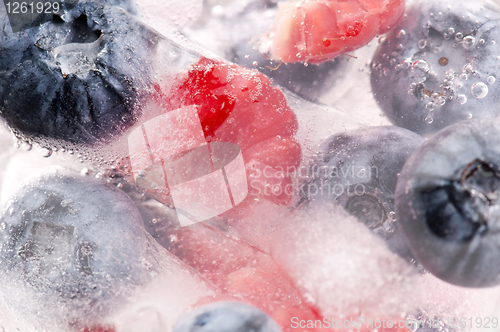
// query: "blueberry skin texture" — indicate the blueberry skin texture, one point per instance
point(358, 170)
point(42, 93)
point(72, 249)
point(447, 204)
point(458, 42)
point(226, 317)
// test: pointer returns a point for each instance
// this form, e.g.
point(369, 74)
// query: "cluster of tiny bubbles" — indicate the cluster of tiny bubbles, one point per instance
point(479, 90)
point(420, 68)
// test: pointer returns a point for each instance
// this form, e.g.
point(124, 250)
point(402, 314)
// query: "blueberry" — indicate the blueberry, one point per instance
point(226, 317)
point(358, 170)
point(439, 66)
point(71, 250)
point(447, 203)
point(79, 77)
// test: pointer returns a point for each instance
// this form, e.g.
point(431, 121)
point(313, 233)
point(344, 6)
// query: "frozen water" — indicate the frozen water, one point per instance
point(318, 122)
point(342, 268)
point(159, 14)
point(61, 270)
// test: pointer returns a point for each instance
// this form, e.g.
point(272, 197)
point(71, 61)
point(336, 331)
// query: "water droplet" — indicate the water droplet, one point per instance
point(429, 119)
point(430, 106)
point(154, 221)
point(298, 55)
point(26, 146)
point(98, 175)
point(255, 63)
point(247, 56)
point(462, 99)
point(469, 116)
point(491, 79)
point(481, 41)
point(451, 31)
point(422, 43)
point(459, 36)
point(386, 72)
point(479, 90)
point(46, 152)
point(401, 34)
point(381, 40)
point(468, 42)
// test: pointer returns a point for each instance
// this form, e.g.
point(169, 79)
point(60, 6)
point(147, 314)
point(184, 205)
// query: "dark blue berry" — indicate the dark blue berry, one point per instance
point(359, 170)
point(447, 203)
point(72, 249)
point(79, 77)
point(439, 66)
point(226, 317)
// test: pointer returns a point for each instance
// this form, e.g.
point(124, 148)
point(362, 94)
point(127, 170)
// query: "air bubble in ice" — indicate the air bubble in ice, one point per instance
point(462, 99)
point(422, 43)
point(46, 152)
point(491, 79)
point(469, 116)
point(382, 40)
point(386, 72)
point(430, 106)
point(401, 34)
point(468, 42)
point(459, 36)
point(479, 90)
point(481, 41)
point(441, 100)
point(429, 119)
point(451, 31)
point(392, 216)
point(255, 63)
point(26, 146)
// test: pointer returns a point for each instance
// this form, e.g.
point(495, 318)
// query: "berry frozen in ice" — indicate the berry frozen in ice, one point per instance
point(241, 271)
point(447, 203)
point(78, 77)
point(439, 65)
point(72, 250)
point(319, 30)
point(308, 81)
point(226, 317)
point(359, 170)
point(239, 106)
